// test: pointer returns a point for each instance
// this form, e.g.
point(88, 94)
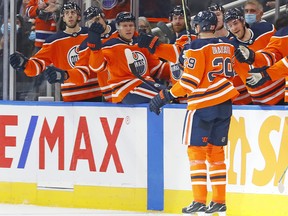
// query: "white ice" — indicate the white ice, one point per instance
point(22, 210)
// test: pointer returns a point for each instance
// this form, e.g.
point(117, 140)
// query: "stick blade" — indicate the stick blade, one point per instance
point(281, 187)
point(165, 29)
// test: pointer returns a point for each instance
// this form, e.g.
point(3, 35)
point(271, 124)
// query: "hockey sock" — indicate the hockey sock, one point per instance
point(198, 172)
point(217, 174)
point(198, 175)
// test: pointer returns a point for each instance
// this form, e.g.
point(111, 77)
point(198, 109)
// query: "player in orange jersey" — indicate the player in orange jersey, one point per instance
point(61, 50)
point(128, 88)
point(256, 38)
point(43, 11)
point(270, 57)
point(219, 11)
point(81, 72)
point(171, 52)
point(206, 80)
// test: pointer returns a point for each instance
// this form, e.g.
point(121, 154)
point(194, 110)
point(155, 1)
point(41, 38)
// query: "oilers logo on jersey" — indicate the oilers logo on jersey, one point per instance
point(73, 55)
point(176, 71)
point(140, 62)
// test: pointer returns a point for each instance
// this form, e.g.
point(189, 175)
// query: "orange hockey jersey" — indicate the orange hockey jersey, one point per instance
point(112, 57)
point(272, 92)
point(81, 72)
point(43, 29)
point(273, 52)
point(61, 50)
point(171, 52)
point(208, 73)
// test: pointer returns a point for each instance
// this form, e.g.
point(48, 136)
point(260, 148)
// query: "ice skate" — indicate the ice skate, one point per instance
point(196, 208)
point(214, 208)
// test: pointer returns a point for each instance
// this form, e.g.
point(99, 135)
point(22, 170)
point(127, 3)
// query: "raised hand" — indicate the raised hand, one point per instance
point(245, 55)
point(148, 41)
point(94, 36)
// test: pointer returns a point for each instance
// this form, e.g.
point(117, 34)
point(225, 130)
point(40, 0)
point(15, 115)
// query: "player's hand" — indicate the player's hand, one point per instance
point(244, 55)
point(18, 61)
point(148, 41)
point(44, 15)
point(258, 76)
point(94, 36)
point(162, 98)
point(55, 75)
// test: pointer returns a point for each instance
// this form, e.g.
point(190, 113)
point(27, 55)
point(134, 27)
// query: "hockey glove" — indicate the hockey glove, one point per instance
point(258, 76)
point(162, 98)
point(18, 61)
point(55, 75)
point(94, 36)
point(148, 41)
point(43, 15)
point(245, 55)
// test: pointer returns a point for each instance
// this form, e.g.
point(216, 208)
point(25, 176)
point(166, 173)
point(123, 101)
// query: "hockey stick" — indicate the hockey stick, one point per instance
point(280, 183)
point(164, 28)
point(186, 21)
point(130, 61)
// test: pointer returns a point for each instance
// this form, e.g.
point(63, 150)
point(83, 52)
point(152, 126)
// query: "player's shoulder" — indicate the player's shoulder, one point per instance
point(84, 30)
point(61, 35)
point(83, 44)
point(282, 32)
point(58, 35)
point(262, 27)
point(201, 43)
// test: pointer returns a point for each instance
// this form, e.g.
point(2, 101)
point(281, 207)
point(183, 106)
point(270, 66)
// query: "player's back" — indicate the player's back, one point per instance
point(208, 72)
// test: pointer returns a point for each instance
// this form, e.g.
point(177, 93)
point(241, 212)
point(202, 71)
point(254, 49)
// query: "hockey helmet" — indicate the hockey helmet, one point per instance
point(232, 14)
point(216, 7)
point(178, 11)
point(207, 21)
point(69, 6)
point(92, 12)
point(125, 17)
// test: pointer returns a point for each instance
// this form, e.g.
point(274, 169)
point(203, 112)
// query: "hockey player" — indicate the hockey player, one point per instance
point(269, 58)
point(95, 18)
point(127, 88)
point(209, 111)
point(61, 50)
point(43, 11)
point(171, 52)
point(256, 37)
point(219, 11)
point(177, 19)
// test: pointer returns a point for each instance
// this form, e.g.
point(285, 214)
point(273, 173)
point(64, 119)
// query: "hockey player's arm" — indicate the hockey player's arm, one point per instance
point(96, 61)
point(169, 52)
point(272, 53)
point(80, 73)
point(279, 69)
point(37, 63)
point(94, 36)
point(32, 8)
point(193, 72)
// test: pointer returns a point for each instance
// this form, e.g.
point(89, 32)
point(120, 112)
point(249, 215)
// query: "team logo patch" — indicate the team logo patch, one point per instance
point(73, 55)
point(140, 62)
point(176, 71)
point(109, 4)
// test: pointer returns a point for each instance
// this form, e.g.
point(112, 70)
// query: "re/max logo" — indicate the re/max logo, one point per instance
point(56, 136)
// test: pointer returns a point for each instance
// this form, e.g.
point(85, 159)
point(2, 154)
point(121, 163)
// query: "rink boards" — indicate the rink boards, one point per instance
point(97, 155)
